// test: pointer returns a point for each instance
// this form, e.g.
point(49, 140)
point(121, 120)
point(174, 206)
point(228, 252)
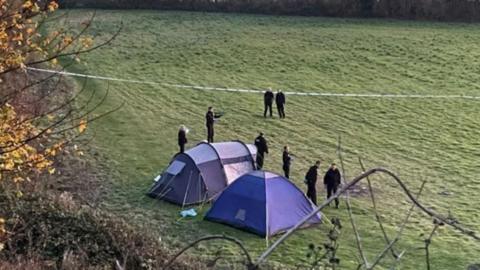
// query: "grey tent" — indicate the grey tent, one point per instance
point(200, 173)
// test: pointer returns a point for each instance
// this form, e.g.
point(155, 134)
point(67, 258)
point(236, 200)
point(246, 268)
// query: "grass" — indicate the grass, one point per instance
point(419, 139)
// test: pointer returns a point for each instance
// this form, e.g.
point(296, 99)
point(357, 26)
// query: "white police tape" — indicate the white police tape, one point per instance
point(226, 89)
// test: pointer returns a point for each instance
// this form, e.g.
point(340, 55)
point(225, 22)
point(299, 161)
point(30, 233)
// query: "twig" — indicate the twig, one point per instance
point(78, 52)
point(410, 211)
point(349, 208)
point(375, 209)
point(400, 256)
point(404, 223)
point(428, 241)
point(213, 237)
point(382, 254)
point(118, 266)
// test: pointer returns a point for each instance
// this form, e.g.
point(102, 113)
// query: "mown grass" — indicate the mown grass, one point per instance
point(419, 139)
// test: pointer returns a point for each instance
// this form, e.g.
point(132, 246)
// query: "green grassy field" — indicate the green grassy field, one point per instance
point(419, 139)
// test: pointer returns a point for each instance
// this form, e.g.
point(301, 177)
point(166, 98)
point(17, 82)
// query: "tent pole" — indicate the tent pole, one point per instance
point(161, 193)
point(204, 200)
point(199, 187)
point(186, 191)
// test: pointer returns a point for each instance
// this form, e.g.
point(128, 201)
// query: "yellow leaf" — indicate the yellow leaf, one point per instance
point(52, 6)
point(27, 5)
point(82, 126)
point(9, 165)
point(35, 8)
point(51, 170)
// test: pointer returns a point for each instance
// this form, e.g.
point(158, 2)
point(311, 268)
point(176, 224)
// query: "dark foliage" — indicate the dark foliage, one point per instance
point(52, 229)
point(443, 10)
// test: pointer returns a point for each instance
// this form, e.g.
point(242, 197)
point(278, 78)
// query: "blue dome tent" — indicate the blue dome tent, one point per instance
point(263, 203)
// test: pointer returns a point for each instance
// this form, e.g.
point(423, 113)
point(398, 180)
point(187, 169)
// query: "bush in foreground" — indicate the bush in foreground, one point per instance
point(56, 233)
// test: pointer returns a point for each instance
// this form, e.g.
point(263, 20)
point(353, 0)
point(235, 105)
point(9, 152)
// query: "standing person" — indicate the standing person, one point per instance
point(311, 181)
point(262, 148)
point(182, 138)
point(280, 102)
point(287, 159)
point(332, 180)
point(268, 101)
point(210, 120)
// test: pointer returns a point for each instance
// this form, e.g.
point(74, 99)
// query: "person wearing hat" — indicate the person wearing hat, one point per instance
point(182, 138)
point(280, 102)
point(262, 148)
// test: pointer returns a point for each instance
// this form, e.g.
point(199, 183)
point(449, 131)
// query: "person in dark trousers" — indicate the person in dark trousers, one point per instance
point(287, 160)
point(311, 181)
point(332, 180)
point(268, 101)
point(280, 102)
point(182, 138)
point(210, 121)
point(262, 148)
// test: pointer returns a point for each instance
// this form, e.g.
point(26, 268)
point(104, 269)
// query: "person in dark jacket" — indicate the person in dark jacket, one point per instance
point(268, 101)
point(210, 121)
point(182, 138)
point(287, 160)
point(311, 181)
point(332, 180)
point(280, 102)
point(262, 148)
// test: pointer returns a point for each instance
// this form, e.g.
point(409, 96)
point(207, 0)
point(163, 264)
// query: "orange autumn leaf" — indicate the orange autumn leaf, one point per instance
point(82, 126)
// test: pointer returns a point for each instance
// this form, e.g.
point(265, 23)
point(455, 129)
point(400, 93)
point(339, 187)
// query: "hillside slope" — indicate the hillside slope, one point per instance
point(433, 139)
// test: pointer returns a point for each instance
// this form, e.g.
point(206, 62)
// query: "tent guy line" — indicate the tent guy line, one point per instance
point(227, 89)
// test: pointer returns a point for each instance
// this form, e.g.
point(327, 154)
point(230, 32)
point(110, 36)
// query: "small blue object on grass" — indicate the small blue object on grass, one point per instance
point(188, 213)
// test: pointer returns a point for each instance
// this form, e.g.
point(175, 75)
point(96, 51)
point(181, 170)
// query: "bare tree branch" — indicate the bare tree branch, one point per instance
point(375, 209)
point(107, 42)
point(428, 241)
point(250, 264)
point(382, 254)
point(404, 223)
point(349, 208)
point(59, 53)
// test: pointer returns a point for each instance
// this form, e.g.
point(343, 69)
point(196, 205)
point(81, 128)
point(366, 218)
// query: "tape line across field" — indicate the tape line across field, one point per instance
point(226, 89)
